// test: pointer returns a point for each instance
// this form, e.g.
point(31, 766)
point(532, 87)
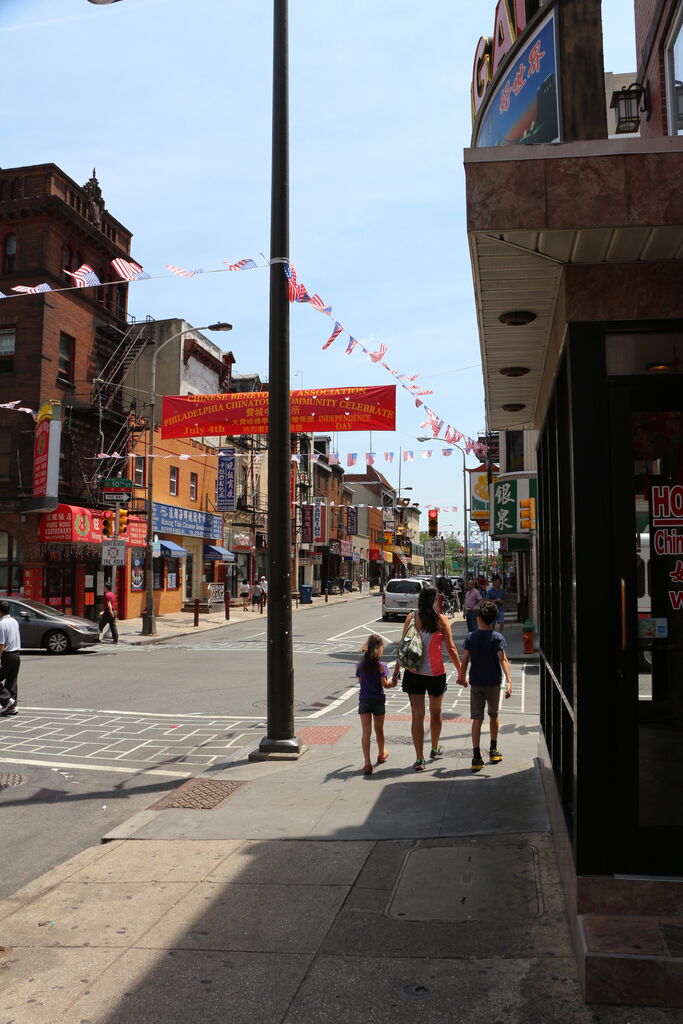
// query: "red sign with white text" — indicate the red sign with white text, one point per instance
point(321, 409)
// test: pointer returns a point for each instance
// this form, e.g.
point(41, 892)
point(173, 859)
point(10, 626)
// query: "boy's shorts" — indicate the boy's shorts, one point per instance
point(371, 706)
point(435, 686)
point(480, 697)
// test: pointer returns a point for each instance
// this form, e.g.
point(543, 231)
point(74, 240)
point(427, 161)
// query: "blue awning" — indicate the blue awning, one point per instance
point(215, 553)
point(169, 548)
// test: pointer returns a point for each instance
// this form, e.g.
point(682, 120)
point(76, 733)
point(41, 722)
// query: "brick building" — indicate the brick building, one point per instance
point(53, 345)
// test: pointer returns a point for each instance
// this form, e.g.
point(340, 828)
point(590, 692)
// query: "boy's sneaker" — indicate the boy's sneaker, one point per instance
point(10, 708)
point(495, 756)
point(436, 752)
point(477, 763)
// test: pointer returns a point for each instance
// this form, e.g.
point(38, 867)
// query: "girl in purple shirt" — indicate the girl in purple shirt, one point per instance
point(373, 675)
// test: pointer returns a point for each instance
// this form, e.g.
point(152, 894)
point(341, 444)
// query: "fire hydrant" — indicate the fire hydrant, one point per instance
point(528, 630)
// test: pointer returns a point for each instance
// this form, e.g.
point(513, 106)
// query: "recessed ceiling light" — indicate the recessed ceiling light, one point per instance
point(514, 371)
point(658, 367)
point(517, 317)
point(514, 406)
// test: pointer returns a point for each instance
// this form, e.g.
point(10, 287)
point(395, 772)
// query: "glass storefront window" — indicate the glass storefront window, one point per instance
point(172, 573)
point(158, 573)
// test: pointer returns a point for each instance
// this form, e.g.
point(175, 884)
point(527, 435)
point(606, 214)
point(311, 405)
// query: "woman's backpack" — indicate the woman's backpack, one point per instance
point(409, 653)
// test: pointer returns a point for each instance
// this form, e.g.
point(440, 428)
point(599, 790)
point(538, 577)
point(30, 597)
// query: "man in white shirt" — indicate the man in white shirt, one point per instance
point(10, 645)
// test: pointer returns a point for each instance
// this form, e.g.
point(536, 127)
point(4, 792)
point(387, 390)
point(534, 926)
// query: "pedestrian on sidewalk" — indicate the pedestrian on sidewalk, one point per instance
point(472, 599)
point(429, 677)
point(264, 591)
point(373, 675)
point(496, 594)
point(10, 661)
point(245, 590)
point(256, 597)
point(484, 651)
point(108, 616)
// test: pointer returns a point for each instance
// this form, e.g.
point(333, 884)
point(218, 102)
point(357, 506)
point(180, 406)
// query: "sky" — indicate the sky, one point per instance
point(170, 101)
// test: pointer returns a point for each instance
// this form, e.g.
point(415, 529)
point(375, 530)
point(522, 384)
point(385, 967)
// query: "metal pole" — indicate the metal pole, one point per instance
point(149, 625)
point(280, 665)
point(464, 514)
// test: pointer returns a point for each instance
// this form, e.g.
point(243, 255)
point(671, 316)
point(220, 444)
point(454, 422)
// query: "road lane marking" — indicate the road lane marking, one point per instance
point(362, 625)
point(335, 703)
point(95, 767)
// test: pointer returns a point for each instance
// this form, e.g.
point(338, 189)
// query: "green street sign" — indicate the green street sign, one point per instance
point(117, 483)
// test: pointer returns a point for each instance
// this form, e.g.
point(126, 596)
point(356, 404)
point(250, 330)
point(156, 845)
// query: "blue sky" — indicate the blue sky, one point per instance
point(170, 101)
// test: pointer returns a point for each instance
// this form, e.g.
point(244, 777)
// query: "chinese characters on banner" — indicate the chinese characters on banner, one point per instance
point(227, 481)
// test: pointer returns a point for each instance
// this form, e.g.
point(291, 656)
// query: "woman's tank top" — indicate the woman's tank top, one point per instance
point(432, 654)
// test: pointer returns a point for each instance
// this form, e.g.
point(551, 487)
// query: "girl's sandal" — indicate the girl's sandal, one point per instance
point(420, 765)
point(368, 769)
point(384, 756)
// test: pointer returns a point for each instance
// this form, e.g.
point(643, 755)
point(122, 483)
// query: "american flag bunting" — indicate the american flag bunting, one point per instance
point(335, 334)
point(85, 276)
point(129, 271)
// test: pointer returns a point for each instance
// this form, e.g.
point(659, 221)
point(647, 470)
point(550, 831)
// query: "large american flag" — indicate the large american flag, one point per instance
point(129, 271)
point(85, 276)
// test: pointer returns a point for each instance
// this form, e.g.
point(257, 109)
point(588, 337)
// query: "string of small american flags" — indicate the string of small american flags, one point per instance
point(348, 459)
point(130, 271)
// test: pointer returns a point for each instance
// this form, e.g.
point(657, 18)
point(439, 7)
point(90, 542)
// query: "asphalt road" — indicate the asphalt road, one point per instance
point(104, 733)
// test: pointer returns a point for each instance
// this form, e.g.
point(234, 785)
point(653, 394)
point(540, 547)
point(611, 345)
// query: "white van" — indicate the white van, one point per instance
point(400, 597)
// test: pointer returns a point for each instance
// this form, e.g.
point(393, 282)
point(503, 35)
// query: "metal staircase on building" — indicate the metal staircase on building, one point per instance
point(131, 345)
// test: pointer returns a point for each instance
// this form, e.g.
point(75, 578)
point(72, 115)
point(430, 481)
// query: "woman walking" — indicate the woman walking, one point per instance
point(429, 677)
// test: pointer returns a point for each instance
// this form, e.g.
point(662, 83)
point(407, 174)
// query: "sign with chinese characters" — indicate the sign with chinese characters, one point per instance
point(188, 522)
point(525, 107)
point(666, 519)
point(46, 444)
point(351, 520)
point(307, 524)
point(335, 547)
point(227, 481)
point(314, 409)
point(505, 508)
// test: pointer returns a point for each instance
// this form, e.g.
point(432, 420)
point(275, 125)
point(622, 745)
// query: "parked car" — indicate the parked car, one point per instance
point(400, 597)
point(55, 631)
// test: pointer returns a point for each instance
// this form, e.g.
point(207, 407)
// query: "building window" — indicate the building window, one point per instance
point(139, 471)
point(173, 481)
point(65, 369)
point(10, 254)
point(674, 75)
point(193, 486)
point(514, 451)
point(7, 343)
point(64, 468)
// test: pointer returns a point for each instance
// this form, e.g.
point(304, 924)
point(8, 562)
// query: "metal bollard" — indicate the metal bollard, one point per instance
point(326, 595)
point(226, 595)
point(196, 611)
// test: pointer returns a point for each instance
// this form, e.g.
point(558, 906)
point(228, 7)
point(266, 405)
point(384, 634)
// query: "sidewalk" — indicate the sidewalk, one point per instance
point(305, 891)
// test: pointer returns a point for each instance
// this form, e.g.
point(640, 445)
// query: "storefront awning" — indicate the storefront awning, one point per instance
point(215, 553)
point(169, 548)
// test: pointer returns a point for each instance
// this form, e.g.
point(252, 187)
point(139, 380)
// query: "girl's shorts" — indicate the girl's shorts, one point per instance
point(371, 706)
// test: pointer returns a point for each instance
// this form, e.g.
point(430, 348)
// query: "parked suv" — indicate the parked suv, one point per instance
point(42, 626)
point(400, 597)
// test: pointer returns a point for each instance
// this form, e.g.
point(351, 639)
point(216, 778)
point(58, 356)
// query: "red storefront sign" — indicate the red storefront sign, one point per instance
point(71, 524)
point(321, 409)
point(376, 555)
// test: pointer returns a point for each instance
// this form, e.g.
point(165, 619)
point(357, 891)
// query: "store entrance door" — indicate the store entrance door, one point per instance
point(647, 615)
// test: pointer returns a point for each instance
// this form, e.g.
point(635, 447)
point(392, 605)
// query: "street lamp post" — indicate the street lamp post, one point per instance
point(149, 625)
point(464, 499)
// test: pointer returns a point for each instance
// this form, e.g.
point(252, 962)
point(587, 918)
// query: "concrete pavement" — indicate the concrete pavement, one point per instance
point(306, 891)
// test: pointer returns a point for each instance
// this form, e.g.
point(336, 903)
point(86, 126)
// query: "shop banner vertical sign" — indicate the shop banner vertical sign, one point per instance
point(46, 451)
point(307, 524)
point(227, 480)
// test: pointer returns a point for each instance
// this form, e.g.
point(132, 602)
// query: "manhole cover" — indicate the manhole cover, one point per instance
point(11, 779)
point(199, 795)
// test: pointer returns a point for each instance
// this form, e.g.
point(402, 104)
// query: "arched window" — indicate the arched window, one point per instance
point(9, 254)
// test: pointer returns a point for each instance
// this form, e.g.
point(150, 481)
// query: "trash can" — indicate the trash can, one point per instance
point(348, 585)
point(306, 594)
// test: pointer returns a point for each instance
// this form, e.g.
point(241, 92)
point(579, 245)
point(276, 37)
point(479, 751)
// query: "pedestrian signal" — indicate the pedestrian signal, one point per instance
point(123, 521)
point(107, 524)
point(527, 513)
point(433, 522)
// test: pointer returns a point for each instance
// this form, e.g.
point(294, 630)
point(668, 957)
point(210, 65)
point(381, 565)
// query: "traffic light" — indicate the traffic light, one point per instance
point(527, 513)
point(107, 524)
point(123, 522)
point(433, 522)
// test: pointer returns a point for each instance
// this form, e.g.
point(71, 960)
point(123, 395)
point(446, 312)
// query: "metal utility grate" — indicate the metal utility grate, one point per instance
point(199, 795)
point(11, 779)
